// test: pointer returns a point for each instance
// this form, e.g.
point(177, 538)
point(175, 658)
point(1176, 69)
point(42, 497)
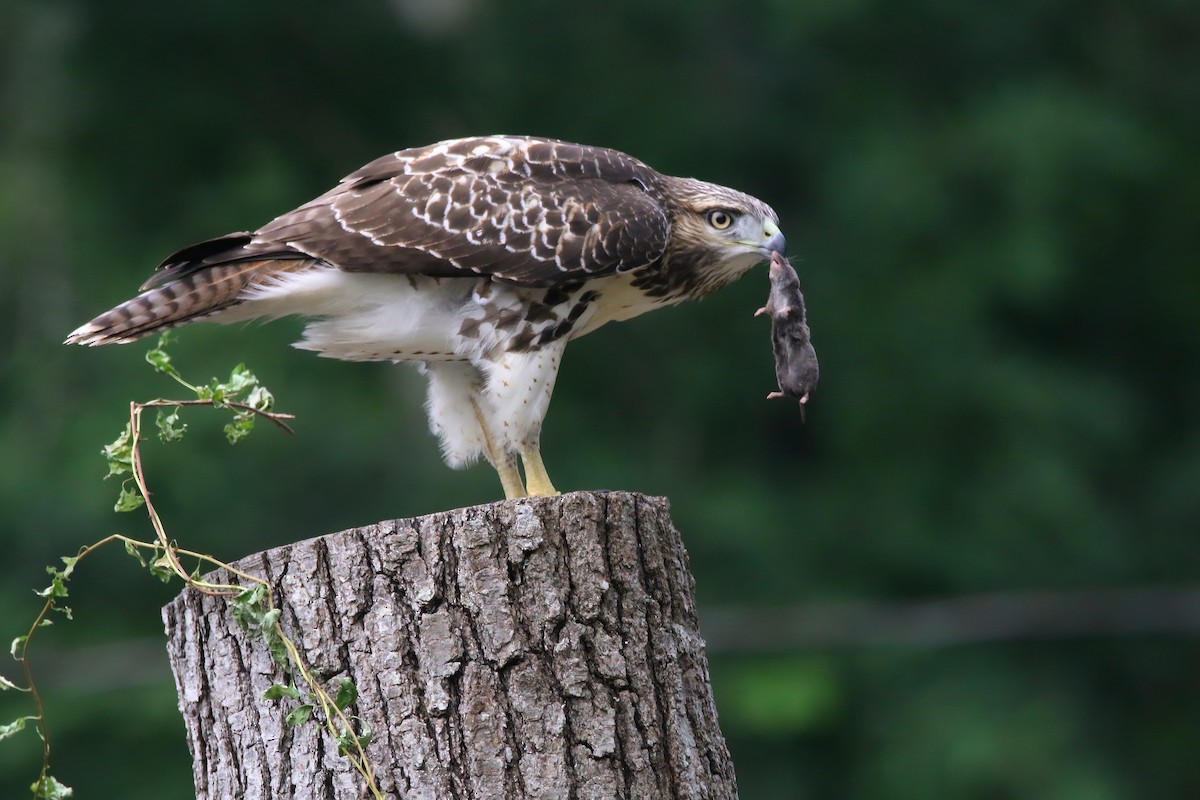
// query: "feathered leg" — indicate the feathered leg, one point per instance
point(503, 460)
point(461, 423)
point(518, 390)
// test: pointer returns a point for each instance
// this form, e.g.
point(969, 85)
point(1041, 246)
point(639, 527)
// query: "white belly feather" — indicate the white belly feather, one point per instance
point(474, 381)
point(367, 316)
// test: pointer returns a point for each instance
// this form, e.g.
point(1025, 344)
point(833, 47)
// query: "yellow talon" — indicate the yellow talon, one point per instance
point(535, 475)
point(504, 462)
point(510, 479)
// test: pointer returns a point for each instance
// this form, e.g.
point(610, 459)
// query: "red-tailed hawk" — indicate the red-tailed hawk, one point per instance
point(477, 259)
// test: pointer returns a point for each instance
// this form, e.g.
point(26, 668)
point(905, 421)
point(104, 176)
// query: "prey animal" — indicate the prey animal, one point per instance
point(476, 259)
point(796, 368)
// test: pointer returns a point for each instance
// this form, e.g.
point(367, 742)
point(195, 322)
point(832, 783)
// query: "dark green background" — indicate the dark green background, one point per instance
point(993, 206)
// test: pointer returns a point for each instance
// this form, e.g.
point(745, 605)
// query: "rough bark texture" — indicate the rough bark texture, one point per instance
point(536, 648)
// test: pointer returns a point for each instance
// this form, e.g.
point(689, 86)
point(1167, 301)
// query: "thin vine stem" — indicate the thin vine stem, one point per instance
point(329, 709)
point(139, 477)
point(166, 555)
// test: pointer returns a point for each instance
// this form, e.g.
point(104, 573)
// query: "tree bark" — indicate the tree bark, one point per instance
point(534, 648)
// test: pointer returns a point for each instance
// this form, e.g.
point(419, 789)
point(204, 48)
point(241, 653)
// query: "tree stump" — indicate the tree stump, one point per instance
point(534, 648)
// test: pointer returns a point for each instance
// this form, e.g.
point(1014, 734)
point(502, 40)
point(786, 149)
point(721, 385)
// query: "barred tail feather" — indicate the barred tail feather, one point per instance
point(191, 297)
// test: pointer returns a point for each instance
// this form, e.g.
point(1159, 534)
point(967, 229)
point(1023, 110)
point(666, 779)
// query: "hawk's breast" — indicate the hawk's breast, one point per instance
point(617, 299)
point(501, 317)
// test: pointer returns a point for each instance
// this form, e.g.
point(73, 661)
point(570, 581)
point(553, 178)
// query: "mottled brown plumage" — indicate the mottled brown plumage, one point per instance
point(491, 252)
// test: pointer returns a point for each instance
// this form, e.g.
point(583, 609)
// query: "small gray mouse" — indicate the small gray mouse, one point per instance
point(796, 367)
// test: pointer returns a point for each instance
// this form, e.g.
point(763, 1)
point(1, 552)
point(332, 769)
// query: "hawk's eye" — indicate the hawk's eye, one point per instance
point(720, 219)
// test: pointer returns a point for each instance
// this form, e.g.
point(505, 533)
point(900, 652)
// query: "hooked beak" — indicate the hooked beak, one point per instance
point(775, 243)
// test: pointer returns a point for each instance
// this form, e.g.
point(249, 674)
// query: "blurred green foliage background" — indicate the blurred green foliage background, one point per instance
point(993, 206)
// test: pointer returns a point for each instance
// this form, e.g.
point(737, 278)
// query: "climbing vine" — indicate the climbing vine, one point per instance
point(251, 599)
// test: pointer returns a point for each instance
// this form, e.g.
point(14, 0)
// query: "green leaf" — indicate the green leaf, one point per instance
point(130, 498)
point(261, 398)
point(18, 643)
point(163, 568)
point(160, 359)
point(273, 636)
point(249, 607)
point(300, 715)
point(119, 453)
point(57, 587)
point(278, 690)
point(349, 743)
point(367, 736)
point(135, 551)
point(240, 380)
point(240, 427)
point(47, 787)
point(59, 578)
point(6, 684)
point(347, 693)
point(14, 727)
point(170, 429)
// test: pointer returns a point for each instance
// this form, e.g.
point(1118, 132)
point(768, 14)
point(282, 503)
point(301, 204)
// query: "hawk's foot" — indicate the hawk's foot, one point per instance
point(535, 475)
point(503, 460)
point(510, 479)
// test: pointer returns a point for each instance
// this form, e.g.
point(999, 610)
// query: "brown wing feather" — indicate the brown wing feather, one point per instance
point(535, 212)
point(527, 211)
point(226, 249)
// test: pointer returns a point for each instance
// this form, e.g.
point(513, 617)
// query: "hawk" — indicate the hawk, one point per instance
point(477, 259)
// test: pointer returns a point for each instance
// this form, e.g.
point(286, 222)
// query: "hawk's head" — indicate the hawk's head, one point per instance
point(718, 233)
